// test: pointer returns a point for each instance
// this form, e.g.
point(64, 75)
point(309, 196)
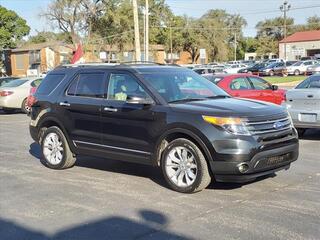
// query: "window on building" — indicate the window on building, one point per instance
point(19, 61)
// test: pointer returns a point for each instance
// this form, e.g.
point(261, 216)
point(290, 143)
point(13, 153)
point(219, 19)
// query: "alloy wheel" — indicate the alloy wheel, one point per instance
point(181, 167)
point(53, 149)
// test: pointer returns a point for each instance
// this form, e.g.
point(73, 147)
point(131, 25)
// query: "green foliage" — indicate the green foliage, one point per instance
point(12, 28)
point(273, 28)
point(42, 37)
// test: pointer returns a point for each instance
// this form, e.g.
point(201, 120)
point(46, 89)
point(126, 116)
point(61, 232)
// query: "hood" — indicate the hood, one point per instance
point(235, 107)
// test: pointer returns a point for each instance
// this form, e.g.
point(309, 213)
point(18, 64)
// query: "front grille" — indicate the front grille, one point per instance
point(274, 126)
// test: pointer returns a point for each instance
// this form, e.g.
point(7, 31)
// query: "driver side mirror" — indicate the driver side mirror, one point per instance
point(274, 87)
point(139, 100)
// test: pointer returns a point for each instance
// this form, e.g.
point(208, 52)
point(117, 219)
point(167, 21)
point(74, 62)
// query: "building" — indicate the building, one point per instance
point(255, 56)
point(34, 59)
point(300, 44)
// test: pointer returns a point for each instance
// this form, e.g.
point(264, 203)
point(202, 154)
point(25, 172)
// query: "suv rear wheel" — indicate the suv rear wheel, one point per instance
point(55, 149)
point(185, 167)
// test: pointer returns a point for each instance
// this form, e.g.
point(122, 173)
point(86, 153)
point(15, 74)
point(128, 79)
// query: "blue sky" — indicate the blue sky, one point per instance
point(252, 10)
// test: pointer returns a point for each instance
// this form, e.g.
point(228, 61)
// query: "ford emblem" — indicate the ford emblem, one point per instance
point(277, 125)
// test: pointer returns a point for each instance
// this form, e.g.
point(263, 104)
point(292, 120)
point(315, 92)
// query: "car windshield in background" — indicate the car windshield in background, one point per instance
point(15, 83)
point(182, 85)
point(310, 82)
point(297, 64)
point(212, 78)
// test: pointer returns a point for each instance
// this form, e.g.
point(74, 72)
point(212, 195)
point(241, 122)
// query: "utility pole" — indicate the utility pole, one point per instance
point(147, 32)
point(136, 30)
point(235, 46)
point(171, 51)
point(285, 8)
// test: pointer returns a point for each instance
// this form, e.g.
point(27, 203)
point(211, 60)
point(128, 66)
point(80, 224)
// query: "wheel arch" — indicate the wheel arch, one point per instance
point(176, 133)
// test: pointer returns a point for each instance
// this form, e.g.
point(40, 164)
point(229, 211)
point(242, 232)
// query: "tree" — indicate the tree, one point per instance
point(273, 28)
point(73, 17)
point(43, 36)
point(12, 28)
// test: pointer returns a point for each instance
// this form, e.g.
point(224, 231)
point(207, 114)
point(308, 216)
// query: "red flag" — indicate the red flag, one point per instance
point(78, 54)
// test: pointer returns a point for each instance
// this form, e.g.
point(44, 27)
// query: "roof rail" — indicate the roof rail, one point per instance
point(141, 62)
point(87, 64)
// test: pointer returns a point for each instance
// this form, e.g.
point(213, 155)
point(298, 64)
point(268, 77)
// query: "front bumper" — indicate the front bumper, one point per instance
point(262, 163)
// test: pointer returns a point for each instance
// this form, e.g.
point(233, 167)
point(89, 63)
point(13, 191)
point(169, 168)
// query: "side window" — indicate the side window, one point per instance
point(87, 85)
point(36, 82)
point(259, 83)
point(122, 85)
point(308, 63)
point(241, 83)
point(49, 83)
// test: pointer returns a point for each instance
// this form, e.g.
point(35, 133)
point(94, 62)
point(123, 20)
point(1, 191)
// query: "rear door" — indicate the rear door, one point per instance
point(304, 101)
point(241, 87)
point(80, 107)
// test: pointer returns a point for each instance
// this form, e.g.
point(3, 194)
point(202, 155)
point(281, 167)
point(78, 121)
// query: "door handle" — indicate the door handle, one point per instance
point(64, 104)
point(109, 109)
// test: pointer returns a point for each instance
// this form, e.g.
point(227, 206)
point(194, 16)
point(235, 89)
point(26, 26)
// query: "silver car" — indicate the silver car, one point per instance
point(303, 104)
point(13, 95)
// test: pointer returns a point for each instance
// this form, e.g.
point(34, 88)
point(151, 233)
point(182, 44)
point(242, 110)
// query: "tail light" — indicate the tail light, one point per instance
point(5, 93)
point(31, 98)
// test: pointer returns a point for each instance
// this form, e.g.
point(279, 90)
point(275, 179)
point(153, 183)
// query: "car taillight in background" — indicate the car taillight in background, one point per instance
point(31, 98)
point(5, 93)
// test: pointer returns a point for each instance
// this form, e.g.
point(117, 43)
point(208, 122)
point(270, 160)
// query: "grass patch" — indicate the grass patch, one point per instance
point(278, 79)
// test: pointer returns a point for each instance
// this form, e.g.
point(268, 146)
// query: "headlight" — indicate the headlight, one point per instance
point(232, 125)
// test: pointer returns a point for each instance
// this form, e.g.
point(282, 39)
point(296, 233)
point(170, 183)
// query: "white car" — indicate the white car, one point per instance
point(300, 67)
point(313, 69)
point(303, 104)
point(13, 95)
point(234, 68)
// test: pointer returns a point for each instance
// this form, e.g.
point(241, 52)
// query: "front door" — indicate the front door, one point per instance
point(264, 91)
point(127, 127)
point(80, 107)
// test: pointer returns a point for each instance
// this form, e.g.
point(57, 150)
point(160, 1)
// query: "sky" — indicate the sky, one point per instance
point(252, 10)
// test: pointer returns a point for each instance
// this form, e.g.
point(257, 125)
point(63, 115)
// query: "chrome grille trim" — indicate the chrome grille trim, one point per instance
point(265, 127)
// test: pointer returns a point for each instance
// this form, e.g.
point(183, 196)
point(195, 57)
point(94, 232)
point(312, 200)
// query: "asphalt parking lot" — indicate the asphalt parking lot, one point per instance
point(105, 199)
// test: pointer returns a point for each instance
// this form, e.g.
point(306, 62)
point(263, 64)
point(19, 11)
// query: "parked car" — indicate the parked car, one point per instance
point(165, 116)
point(274, 60)
point(13, 95)
point(4, 80)
point(254, 69)
point(303, 104)
point(249, 86)
point(300, 67)
point(313, 69)
point(269, 69)
point(282, 69)
point(204, 70)
point(234, 68)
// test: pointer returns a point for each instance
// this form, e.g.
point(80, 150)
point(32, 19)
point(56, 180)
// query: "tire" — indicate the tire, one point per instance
point(24, 107)
point(296, 72)
point(194, 168)
point(250, 72)
point(53, 137)
point(271, 73)
point(301, 131)
point(8, 110)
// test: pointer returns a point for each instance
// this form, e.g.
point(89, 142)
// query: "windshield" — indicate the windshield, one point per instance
point(14, 83)
point(182, 84)
point(297, 64)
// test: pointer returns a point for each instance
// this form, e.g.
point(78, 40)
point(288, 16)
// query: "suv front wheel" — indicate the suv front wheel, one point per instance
point(55, 149)
point(185, 167)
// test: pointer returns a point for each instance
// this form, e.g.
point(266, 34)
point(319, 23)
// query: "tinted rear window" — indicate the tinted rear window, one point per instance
point(49, 83)
point(14, 83)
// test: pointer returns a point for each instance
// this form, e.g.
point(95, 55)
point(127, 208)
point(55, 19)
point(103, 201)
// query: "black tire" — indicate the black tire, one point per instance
point(24, 107)
point(301, 131)
point(296, 72)
point(68, 159)
point(8, 110)
point(202, 179)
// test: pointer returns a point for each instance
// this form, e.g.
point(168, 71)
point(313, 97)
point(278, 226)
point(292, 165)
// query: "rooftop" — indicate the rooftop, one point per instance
point(303, 37)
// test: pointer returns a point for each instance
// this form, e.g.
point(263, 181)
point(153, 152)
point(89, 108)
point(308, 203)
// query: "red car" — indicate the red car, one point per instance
point(248, 86)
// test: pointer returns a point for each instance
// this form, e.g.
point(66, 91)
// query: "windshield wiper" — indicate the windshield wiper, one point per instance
point(187, 100)
point(218, 96)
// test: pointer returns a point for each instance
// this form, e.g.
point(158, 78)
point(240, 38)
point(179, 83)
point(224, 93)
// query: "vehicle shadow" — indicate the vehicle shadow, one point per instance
point(140, 170)
point(151, 226)
point(311, 134)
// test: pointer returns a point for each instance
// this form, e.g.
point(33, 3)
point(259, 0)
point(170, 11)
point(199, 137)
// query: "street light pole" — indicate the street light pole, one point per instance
point(235, 46)
point(136, 30)
point(147, 32)
point(285, 8)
